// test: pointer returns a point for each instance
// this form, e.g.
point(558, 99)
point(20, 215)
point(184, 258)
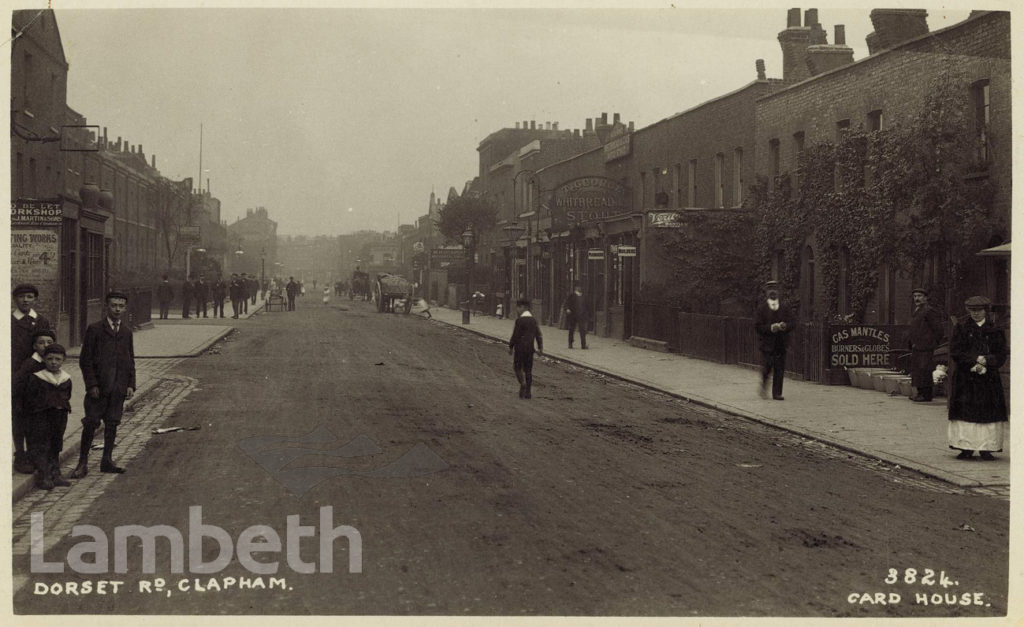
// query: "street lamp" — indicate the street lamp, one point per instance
point(467, 242)
point(512, 232)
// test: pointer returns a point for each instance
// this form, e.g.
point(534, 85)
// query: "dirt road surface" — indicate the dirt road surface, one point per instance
point(593, 498)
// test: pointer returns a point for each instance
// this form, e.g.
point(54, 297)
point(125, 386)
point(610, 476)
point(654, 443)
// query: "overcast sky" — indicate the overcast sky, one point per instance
point(337, 118)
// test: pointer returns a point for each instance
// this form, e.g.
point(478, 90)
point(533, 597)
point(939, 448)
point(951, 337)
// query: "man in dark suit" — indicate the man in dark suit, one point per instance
point(773, 322)
point(246, 292)
point(187, 291)
point(164, 295)
point(292, 288)
point(924, 336)
point(202, 290)
point(219, 293)
point(237, 293)
point(524, 334)
point(25, 321)
point(575, 308)
point(107, 362)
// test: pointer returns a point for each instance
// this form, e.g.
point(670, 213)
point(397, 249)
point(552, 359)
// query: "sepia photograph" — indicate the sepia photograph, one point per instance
point(511, 312)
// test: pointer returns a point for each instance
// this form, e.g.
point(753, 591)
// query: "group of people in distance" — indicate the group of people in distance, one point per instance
point(241, 289)
point(41, 388)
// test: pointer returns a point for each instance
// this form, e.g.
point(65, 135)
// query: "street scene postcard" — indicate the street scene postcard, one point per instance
point(505, 313)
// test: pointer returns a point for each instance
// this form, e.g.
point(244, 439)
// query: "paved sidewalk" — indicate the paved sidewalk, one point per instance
point(891, 429)
point(157, 349)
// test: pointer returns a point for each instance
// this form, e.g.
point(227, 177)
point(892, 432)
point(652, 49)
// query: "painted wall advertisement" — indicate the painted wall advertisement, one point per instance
point(859, 346)
point(587, 199)
point(35, 259)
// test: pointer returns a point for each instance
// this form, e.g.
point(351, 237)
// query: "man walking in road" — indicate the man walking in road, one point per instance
point(202, 294)
point(291, 289)
point(187, 290)
point(524, 334)
point(925, 334)
point(773, 322)
point(107, 362)
point(246, 290)
point(575, 309)
point(24, 323)
point(164, 294)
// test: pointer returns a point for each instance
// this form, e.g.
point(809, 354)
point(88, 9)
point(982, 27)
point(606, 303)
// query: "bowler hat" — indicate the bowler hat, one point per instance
point(26, 288)
point(919, 290)
point(116, 294)
point(978, 302)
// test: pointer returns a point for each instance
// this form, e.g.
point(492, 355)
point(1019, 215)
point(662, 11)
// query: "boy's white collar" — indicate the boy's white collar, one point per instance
point(55, 379)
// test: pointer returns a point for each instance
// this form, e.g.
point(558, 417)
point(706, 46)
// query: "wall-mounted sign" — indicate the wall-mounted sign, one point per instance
point(189, 234)
point(36, 213)
point(587, 199)
point(618, 147)
point(627, 251)
point(418, 247)
point(664, 219)
point(446, 255)
point(859, 346)
point(35, 259)
point(595, 254)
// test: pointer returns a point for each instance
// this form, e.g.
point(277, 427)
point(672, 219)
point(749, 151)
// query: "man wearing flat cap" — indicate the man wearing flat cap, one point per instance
point(773, 322)
point(107, 361)
point(924, 336)
point(25, 321)
point(977, 406)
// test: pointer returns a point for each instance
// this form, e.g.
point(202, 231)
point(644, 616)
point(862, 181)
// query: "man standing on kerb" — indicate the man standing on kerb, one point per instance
point(773, 322)
point(107, 362)
point(924, 336)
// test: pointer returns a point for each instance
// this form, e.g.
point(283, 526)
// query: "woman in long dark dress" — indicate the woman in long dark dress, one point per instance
point(977, 407)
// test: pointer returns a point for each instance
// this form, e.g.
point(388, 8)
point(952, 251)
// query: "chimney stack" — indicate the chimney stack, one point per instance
point(533, 125)
point(894, 27)
point(759, 64)
point(840, 38)
point(590, 126)
point(554, 125)
point(615, 118)
point(794, 41)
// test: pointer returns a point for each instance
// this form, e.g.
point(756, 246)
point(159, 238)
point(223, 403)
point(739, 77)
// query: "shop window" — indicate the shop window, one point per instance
point(737, 177)
point(719, 181)
point(980, 99)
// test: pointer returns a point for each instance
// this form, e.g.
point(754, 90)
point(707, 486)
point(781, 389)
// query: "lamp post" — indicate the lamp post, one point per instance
point(512, 231)
point(467, 242)
point(528, 214)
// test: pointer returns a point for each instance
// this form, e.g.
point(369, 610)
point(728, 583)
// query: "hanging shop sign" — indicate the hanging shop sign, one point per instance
point(439, 256)
point(859, 346)
point(627, 251)
point(664, 219)
point(587, 199)
point(595, 254)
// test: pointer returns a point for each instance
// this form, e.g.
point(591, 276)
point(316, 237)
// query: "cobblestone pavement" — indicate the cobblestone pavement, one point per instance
point(62, 508)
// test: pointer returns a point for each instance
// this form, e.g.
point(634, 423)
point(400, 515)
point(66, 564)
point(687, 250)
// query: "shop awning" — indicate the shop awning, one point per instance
point(1003, 250)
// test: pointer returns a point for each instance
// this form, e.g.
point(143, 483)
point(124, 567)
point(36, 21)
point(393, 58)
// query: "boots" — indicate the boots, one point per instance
point(55, 476)
point(82, 469)
point(42, 479)
point(106, 462)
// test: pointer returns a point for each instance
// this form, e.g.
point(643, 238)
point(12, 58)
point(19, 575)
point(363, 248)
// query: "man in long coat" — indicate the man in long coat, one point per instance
point(773, 323)
point(187, 291)
point(107, 362)
point(164, 295)
point(202, 289)
point(575, 309)
point(924, 336)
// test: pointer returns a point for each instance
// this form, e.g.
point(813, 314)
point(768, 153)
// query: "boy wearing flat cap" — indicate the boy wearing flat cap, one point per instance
point(977, 407)
point(107, 361)
point(24, 322)
point(925, 335)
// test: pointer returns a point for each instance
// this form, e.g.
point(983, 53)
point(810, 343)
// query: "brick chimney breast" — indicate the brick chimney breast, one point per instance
point(794, 41)
point(896, 26)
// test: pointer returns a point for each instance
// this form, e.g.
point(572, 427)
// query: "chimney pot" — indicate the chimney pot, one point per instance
point(793, 18)
point(517, 124)
point(590, 125)
point(533, 125)
point(554, 125)
point(810, 17)
point(615, 118)
point(631, 126)
point(604, 119)
point(759, 64)
point(840, 38)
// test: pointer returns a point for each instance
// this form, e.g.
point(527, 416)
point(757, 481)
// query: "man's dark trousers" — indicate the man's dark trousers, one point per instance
point(775, 363)
point(165, 308)
point(522, 363)
point(291, 301)
point(575, 323)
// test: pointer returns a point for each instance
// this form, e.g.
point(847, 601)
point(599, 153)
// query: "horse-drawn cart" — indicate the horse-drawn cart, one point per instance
point(390, 290)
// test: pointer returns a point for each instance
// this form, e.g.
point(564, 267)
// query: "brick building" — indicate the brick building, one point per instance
point(878, 92)
point(253, 244)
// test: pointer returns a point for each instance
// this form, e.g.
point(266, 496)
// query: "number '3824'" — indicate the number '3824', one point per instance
point(928, 577)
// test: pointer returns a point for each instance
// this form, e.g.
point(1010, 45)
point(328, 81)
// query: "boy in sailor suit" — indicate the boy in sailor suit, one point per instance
point(47, 402)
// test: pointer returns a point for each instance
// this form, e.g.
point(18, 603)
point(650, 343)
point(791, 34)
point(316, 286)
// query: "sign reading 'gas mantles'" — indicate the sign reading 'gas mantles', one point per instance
point(858, 346)
point(588, 199)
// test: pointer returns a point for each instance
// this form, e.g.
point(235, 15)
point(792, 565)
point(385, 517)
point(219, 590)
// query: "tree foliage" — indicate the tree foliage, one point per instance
point(464, 211)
